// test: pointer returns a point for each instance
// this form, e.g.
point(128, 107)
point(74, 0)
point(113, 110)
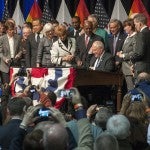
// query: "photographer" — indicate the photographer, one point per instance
point(54, 131)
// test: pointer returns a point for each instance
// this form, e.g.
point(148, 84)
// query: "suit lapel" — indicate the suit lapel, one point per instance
point(63, 47)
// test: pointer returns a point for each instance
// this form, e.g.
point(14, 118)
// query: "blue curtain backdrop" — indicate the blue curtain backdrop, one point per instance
point(71, 4)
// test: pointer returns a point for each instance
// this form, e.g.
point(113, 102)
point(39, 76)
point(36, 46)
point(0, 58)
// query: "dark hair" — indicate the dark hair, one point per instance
point(76, 17)
point(9, 25)
point(129, 22)
point(16, 105)
point(52, 96)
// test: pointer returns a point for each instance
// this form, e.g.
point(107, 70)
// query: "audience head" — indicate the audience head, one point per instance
point(136, 110)
point(37, 25)
point(16, 106)
point(33, 140)
point(97, 48)
point(88, 27)
point(48, 99)
point(76, 22)
point(119, 126)
point(102, 117)
point(140, 21)
point(129, 26)
point(143, 76)
point(61, 32)
point(106, 141)
point(56, 138)
point(93, 18)
point(48, 30)
point(115, 26)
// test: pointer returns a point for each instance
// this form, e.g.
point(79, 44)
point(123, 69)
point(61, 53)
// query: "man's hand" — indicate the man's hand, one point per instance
point(79, 63)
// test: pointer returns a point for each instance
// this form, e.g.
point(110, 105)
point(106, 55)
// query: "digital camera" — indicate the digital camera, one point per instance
point(66, 93)
point(44, 112)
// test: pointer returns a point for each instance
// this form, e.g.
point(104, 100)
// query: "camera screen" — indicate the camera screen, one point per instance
point(44, 112)
point(66, 93)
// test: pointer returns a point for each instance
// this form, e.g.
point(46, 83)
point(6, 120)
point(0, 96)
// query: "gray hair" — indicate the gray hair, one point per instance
point(119, 126)
point(106, 141)
point(99, 44)
point(47, 27)
point(141, 18)
point(102, 117)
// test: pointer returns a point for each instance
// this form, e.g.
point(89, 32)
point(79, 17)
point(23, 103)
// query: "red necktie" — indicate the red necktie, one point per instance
point(86, 40)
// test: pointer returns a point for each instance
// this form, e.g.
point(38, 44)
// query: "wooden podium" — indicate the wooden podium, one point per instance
point(90, 77)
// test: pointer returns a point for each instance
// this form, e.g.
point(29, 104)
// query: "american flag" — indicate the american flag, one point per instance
point(47, 14)
point(100, 11)
point(6, 12)
point(51, 79)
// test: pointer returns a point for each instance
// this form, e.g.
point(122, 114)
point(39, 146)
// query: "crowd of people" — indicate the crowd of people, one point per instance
point(30, 121)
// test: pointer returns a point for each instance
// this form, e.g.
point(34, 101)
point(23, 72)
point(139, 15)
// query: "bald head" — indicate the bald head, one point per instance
point(56, 138)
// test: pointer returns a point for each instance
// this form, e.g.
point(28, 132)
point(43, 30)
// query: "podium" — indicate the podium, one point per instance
point(90, 77)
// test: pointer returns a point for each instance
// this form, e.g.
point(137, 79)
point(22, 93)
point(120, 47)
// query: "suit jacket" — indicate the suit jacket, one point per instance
point(119, 44)
point(59, 50)
point(32, 49)
point(5, 51)
point(72, 33)
point(107, 63)
point(141, 56)
point(8, 132)
point(81, 49)
point(44, 54)
point(128, 49)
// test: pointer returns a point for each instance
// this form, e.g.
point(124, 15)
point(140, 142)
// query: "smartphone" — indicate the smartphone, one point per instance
point(66, 93)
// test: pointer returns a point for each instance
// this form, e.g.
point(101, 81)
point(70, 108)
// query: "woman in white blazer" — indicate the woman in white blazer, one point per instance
point(62, 53)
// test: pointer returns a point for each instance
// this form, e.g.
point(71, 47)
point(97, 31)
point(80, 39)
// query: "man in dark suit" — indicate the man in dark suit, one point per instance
point(116, 39)
point(84, 43)
point(75, 30)
point(10, 51)
point(141, 55)
point(8, 131)
point(102, 61)
point(33, 42)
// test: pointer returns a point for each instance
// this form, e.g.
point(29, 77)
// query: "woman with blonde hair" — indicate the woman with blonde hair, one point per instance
point(63, 49)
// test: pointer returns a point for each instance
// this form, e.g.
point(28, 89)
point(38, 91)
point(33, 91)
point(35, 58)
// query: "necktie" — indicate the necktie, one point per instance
point(86, 40)
point(114, 45)
point(38, 38)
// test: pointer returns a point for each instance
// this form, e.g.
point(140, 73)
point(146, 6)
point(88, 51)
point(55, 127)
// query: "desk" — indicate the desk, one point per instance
point(90, 77)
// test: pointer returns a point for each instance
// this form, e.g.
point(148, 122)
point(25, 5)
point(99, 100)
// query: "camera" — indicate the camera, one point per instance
point(44, 112)
point(137, 97)
point(66, 93)
point(32, 89)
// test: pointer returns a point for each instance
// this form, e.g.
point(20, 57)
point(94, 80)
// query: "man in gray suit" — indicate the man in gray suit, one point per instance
point(33, 42)
point(10, 51)
point(102, 61)
point(141, 56)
